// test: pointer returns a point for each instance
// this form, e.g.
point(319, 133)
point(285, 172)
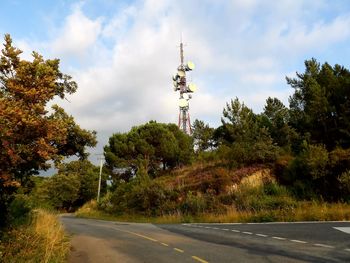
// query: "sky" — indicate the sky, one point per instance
point(123, 54)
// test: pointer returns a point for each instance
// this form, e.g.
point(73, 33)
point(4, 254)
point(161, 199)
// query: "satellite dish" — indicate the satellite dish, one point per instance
point(183, 103)
point(181, 73)
point(190, 66)
point(192, 87)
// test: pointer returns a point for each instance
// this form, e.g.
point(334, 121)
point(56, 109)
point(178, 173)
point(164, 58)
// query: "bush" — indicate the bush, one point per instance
point(193, 204)
point(270, 196)
point(19, 210)
point(146, 197)
point(41, 240)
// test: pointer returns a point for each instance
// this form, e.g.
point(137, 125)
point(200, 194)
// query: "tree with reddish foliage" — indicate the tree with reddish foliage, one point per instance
point(30, 135)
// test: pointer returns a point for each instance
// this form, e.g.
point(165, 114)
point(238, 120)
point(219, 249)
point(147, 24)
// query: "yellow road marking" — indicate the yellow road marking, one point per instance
point(179, 250)
point(199, 259)
point(139, 235)
point(164, 244)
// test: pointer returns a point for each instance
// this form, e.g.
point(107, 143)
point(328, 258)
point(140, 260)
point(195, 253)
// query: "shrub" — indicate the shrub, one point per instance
point(193, 204)
point(41, 240)
point(270, 196)
point(19, 209)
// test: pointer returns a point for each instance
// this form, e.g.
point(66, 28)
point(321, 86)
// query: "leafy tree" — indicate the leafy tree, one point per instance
point(240, 122)
point(75, 184)
point(249, 142)
point(276, 119)
point(150, 147)
point(30, 135)
point(88, 175)
point(202, 135)
point(61, 191)
point(320, 105)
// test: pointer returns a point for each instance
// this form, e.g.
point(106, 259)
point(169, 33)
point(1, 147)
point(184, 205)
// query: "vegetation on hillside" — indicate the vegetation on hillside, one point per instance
point(305, 147)
point(285, 163)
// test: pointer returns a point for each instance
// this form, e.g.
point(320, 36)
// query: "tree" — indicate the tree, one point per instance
point(240, 122)
point(276, 119)
point(149, 148)
point(320, 105)
point(75, 184)
point(202, 135)
point(30, 135)
point(242, 132)
point(88, 175)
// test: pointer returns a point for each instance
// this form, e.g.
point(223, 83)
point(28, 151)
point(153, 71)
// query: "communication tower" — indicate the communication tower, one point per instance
point(185, 89)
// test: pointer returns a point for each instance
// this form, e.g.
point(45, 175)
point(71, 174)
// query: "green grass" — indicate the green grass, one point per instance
point(42, 240)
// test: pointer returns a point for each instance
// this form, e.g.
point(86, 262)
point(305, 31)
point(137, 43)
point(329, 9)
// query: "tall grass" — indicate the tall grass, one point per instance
point(303, 211)
point(43, 240)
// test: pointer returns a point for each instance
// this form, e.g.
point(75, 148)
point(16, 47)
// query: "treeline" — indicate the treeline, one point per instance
point(306, 145)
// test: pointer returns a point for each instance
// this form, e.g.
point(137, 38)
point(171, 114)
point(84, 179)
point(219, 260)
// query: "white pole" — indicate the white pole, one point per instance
point(99, 183)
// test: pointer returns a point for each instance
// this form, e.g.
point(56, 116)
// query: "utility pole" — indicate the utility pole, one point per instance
point(99, 178)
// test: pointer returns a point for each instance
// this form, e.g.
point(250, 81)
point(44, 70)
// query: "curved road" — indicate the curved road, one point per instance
point(105, 241)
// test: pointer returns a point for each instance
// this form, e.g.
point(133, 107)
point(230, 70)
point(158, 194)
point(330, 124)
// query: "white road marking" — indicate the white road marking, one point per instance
point(248, 233)
point(322, 245)
point(347, 249)
point(343, 229)
point(234, 230)
point(226, 229)
point(298, 241)
point(279, 238)
point(215, 228)
point(261, 235)
point(207, 227)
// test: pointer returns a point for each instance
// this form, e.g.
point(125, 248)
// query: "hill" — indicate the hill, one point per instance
point(211, 193)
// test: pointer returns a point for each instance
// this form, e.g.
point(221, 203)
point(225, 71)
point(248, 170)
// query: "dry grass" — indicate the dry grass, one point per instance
point(244, 183)
point(305, 211)
point(41, 241)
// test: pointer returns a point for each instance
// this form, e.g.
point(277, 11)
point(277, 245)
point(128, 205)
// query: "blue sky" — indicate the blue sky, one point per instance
point(123, 53)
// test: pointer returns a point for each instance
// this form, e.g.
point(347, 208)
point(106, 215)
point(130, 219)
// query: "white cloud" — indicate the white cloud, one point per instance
point(239, 49)
point(78, 34)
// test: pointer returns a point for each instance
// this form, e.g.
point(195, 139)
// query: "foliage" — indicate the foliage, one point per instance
point(61, 191)
point(270, 196)
point(150, 147)
point(75, 184)
point(19, 209)
point(319, 107)
point(30, 135)
point(248, 141)
point(202, 135)
point(275, 118)
point(42, 240)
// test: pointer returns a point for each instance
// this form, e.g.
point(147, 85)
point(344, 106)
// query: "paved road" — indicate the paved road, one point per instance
point(103, 241)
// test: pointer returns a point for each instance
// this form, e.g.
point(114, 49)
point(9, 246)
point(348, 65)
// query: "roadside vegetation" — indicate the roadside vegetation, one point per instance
point(40, 239)
point(32, 137)
point(283, 164)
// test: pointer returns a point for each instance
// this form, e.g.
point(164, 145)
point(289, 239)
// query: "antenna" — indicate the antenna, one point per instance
point(180, 84)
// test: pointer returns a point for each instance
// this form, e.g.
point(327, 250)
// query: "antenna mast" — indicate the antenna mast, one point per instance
point(180, 84)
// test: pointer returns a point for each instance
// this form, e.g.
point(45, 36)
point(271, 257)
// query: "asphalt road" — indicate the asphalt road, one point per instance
point(103, 241)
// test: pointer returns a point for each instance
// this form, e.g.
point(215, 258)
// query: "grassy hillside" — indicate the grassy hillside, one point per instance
point(211, 193)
